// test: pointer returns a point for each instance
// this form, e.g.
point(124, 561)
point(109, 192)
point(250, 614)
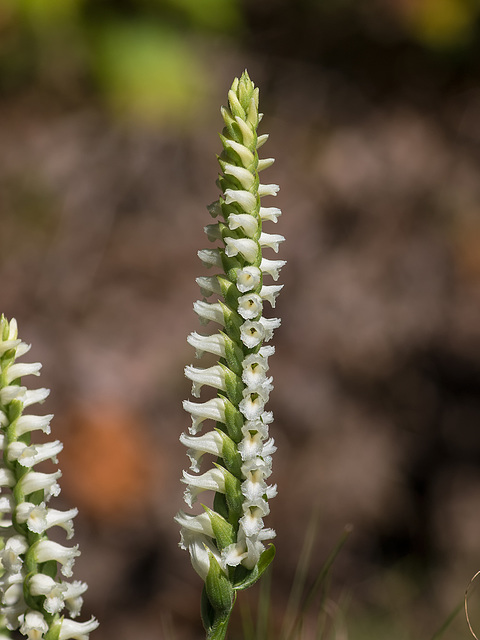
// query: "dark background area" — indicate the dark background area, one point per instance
point(109, 113)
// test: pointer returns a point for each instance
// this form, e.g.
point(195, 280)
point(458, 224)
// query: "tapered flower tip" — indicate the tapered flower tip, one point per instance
point(245, 78)
point(242, 85)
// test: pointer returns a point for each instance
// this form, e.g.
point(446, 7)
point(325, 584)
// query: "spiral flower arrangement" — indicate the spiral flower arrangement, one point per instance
point(226, 541)
point(32, 597)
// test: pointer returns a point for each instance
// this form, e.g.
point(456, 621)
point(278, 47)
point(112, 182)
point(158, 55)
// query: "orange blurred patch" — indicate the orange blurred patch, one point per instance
point(107, 463)
point(466, 244)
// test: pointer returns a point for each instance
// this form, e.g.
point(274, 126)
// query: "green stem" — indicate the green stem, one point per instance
point(218, 631)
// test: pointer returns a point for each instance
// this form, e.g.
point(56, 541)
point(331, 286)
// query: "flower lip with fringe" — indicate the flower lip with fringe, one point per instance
point(31, 597)
point(226, 543)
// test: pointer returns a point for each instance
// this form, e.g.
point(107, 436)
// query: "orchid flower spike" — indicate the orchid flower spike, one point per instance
point(226, 543)
point(32, 596)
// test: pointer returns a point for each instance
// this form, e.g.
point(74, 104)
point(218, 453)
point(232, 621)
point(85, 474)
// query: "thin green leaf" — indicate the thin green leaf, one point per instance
point(319, 582)
point(260, 568)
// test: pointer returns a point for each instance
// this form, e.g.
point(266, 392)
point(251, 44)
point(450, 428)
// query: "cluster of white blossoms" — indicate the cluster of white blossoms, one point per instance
point(230, 537)
point(32, 597)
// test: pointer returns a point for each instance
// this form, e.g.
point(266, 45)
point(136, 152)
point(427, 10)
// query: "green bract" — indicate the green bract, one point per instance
point(226, 543)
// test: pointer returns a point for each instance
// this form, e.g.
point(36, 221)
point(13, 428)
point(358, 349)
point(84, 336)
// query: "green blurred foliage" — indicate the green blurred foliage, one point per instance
point(146, 59)
point(441, 24)
point(46, 15)
point(147, 71)
point(218, 15)
point(143, 59)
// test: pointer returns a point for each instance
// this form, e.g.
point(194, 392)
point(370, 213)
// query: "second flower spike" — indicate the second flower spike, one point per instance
point(33, 598)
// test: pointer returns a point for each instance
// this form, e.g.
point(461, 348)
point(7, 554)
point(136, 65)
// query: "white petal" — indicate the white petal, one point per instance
point(264, 163)
point(254, 551)
point(15, 546)
point(210, 258)
point(22, 349)
point(211, 344)
point(252, 406)
point(244, 198)
point(7, 503)
point(212, 480)
point(261, 140)
point(252, 333)
point(199, 547)
point(257, 469)
point(25, 424)
point(247, 132)
point(251, 522)
point(199, 524)
point(213, 409)
point(255, 367)
point(12, 329)
point(43, 585)
point(251, 446)
point(243, 175)
point(35, 481)
point(33, 625)
point(270, 213)
point(268, 190)
point(7, 479)
point(46, 550)
point(34, 515)
point(272, 267)
point(270, 293)
point(271, 491)
point(35, 395)
point(20, 369)
point(212, 377)
point(63, 519)
point(245, 246)
point(269, 325)
point(14, 612)
point(248, 278)
point(250, 306)
point(40, 584)
point(211, 442)
point(268, 448)
point(12, 392)
point(266, 534)
point(247, 222)
point(267, 417)
point(208, 285)
point(209, 311)
point(32, 455)
point(73, 596)
point(233, 555)
point(245, 155)
point(253, 426)
point(77, 630)
point(267, 350)
point(6, 345)
point(271, 240)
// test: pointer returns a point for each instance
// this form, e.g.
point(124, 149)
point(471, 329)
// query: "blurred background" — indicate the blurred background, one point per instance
point(109, 113)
